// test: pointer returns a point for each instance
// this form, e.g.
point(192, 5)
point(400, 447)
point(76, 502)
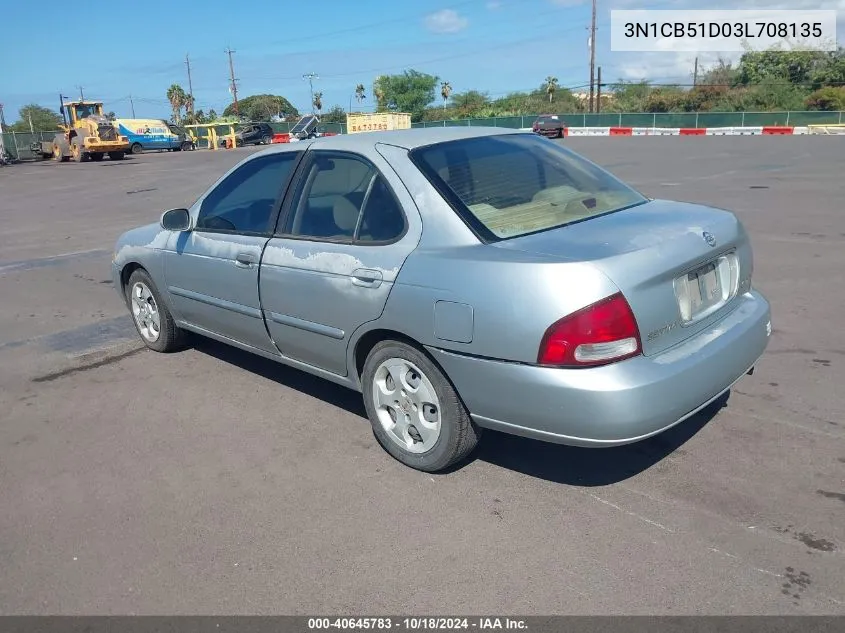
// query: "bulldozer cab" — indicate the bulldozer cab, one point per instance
point(79, 110)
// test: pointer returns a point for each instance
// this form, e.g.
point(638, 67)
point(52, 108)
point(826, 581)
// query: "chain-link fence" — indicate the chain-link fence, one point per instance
point(19, 144)
point(661, 119)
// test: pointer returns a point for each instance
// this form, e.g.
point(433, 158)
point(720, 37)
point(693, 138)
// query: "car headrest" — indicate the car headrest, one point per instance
point(345, 214)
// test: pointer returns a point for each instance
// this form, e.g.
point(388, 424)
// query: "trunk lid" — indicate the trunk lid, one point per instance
point(679, 265)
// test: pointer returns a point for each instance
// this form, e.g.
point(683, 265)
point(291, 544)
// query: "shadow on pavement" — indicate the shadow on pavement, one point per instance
point(589, 466)
point(552, 462)
point(294, 378)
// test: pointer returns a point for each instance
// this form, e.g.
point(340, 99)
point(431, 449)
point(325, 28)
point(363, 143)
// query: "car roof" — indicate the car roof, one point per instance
point(407, 139)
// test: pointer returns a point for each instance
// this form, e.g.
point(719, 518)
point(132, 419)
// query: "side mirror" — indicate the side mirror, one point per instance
point(176, 220)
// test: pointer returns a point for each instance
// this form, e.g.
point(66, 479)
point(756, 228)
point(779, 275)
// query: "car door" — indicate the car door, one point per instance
point(347, 230)
point(212, 270)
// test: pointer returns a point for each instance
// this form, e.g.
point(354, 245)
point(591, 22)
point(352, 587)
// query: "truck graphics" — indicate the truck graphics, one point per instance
point(150, 134)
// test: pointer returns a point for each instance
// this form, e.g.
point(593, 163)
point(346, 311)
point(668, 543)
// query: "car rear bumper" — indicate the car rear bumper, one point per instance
point(616, 404)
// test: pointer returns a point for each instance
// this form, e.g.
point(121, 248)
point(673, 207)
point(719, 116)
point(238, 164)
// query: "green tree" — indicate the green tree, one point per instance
point(409, 92)
point(318, 101)
point(794, 67)
point(336, 115)
point(721, 74)
point(176, 96)
point(262, 107)
point(211, 116)
point(470, 103)
point(827, 98)
point(43, 119)
point(830, 71)
point(378, 91)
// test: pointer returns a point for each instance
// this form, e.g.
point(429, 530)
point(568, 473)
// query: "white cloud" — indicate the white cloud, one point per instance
point(494, 5)
point(667, 66)
point(445, 21)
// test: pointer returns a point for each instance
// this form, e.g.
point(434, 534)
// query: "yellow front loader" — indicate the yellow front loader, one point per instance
point(86, 135)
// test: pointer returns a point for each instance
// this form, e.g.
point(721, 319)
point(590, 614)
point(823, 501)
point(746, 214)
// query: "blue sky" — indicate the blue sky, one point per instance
point(495, 46)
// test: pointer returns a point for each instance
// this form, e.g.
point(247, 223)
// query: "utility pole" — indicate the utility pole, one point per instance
point(2, 145)
point(132, 105)
point(81, 96)
point(695, 73)
point(592, 55)
point(598, 93)
point(191, 85)
point(311, 77)
point(234, 87)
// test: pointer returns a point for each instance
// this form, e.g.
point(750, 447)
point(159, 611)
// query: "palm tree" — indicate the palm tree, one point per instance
point(318, 101)
point(360, 93)
point(551, 86)
point(177, 97)
point(445, 91)
point(378, 91)
point(189, 108)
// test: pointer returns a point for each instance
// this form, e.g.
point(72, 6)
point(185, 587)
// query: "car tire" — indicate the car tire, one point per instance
point(136, 148)
point(422, 398)
point(266, 140)
point(155, 324)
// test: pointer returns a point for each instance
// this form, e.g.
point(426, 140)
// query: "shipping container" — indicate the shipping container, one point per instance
point(372, 122)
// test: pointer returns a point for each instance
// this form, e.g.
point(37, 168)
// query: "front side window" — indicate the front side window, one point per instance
point(344, 198)
point(244, 201)
point(513, 184)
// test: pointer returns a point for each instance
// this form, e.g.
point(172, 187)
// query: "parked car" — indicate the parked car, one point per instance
point(253, 134)
point(550, 125)
point(460, 279)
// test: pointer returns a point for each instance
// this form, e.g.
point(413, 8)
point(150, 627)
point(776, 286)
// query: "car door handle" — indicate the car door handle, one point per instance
point(245, 260)
point(367, 278)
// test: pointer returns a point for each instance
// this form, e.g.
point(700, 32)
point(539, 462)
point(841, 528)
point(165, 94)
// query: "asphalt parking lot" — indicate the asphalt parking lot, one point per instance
point(211, 481)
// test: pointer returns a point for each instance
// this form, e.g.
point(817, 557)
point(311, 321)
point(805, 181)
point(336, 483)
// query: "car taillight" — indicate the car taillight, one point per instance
point(601, 333)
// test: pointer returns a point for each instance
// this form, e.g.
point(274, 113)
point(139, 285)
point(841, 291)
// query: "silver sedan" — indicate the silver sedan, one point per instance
point(460, 279)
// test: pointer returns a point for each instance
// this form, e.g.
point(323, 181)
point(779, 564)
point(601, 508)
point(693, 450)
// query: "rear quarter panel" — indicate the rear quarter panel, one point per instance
point(509, 298)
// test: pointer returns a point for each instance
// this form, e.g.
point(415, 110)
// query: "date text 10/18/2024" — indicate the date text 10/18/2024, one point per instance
point(722, 31)
point(417, 624)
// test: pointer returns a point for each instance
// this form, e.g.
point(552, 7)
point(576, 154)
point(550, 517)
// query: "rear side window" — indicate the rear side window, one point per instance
point(514, 184)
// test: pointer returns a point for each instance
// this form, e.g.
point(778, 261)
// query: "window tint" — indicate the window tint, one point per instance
point(514, 184)
point(331, 198)
point(244, 201)
point(382, 220)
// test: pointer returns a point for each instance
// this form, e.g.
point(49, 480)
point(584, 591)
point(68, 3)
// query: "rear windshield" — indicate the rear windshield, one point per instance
point(513, 184)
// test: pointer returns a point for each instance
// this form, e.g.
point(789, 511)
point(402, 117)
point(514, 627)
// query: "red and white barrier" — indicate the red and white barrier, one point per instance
point(769, 130)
